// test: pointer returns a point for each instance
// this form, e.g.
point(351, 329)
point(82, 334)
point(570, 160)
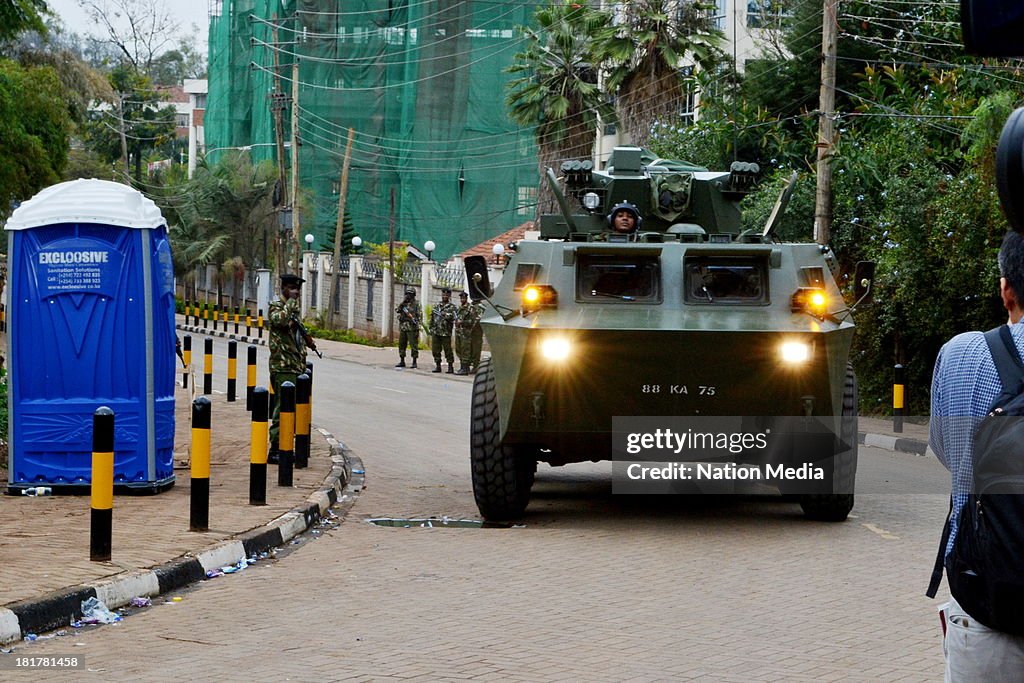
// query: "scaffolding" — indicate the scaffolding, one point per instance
point(422, 83)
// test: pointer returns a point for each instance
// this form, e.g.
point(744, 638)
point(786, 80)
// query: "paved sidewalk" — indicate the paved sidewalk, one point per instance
point(46, 572)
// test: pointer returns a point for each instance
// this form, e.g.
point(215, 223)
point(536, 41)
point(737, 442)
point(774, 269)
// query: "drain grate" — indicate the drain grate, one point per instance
point(439, 523)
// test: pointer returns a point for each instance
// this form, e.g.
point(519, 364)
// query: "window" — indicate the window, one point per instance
point(765, 13)
point(526, 200)
point(181, 120)
point(717, 280)
point(201, 100)
point(622, 277)
point(718, 14)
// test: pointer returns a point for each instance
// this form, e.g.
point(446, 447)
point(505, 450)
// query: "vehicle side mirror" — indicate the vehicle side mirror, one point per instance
point(476, 273)
point(992, 28)
point(863, 283)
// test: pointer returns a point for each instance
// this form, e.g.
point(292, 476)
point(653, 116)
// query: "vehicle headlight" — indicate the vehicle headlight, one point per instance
point(795, 352)
point(591, 201)
point(555, 348)
point(812, 300)
point(539, 296)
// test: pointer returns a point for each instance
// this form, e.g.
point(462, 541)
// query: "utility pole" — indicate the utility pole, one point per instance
point(339, 228)
point(277, 106)
point(391, 266)
point(826, 133)
point(124, 140)
point(296, 232)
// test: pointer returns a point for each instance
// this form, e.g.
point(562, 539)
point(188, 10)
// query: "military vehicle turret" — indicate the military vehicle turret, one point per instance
point(605, 325)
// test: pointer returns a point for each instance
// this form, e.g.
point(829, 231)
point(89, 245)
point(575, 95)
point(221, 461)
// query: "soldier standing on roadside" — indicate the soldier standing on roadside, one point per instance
point(442, 319)
point(466, 319)
point(287, 349)
point(408, 327)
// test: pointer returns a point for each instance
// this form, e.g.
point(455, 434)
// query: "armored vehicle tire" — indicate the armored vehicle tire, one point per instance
point(836, 507)
point(502, 474)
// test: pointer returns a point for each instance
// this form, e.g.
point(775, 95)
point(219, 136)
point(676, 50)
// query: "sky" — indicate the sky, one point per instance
point(185, 12)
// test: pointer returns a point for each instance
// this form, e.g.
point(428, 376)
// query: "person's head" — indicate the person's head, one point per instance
point(624, 218)
point(291, 286)
point(446, 294)
point(1011, 273)
point(410, 294)
point(463, 298)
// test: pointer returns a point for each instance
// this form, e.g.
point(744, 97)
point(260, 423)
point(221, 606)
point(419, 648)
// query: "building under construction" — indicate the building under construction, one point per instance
point(420, 82)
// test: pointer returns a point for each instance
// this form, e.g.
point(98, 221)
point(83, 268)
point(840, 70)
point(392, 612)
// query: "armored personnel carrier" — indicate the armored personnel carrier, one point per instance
point(605, 326)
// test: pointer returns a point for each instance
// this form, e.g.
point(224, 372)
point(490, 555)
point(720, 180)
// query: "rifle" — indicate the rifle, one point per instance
point(177, 350)
point(306, 336)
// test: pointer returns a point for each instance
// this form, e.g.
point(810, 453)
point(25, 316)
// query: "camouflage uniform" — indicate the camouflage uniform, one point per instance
point(476, 341)
point(467, 319)
point(442, 319)
point(287, 355)
point(408, 329)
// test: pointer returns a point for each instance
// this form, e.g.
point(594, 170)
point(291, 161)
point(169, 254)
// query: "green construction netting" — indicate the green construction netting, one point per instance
point(423, 85)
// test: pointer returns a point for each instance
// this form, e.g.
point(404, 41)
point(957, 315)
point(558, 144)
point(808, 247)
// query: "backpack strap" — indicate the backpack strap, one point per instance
point(940, 559)
point(1007, 360)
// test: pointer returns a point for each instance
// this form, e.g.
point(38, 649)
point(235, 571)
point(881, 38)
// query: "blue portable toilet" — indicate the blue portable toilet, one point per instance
point(90, 323)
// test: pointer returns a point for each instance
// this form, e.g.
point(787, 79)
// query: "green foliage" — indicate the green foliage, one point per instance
point(21, 15)
point(35, 125)
point(318, 330)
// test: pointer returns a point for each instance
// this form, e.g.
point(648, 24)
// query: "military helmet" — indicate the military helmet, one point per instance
point(624, 206)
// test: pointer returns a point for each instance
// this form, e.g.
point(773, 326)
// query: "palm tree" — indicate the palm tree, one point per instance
point(557, 93)
point(643, 53)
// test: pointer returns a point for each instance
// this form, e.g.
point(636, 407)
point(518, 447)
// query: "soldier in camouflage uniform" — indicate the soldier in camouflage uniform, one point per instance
point(408, 327)
point(442, 320)
point(466, 320)
point(287, 349)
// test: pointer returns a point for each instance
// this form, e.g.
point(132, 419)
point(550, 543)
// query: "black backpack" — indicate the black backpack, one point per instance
point(985, 568)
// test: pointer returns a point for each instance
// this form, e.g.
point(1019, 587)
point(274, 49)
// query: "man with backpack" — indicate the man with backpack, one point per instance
point(977, 394)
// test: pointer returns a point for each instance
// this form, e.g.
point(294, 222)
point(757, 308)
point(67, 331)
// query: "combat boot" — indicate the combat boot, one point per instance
point(451, 369)
point(414, 364)
point(437, 368)
point(401, 363)
point(463, 370)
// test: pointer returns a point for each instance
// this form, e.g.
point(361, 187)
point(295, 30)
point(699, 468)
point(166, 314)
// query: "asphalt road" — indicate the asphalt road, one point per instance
point(592, 586)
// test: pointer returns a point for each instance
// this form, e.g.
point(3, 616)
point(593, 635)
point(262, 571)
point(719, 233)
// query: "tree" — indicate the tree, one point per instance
point(556, 91)
point(21, 15)
point(644, 52)
point(137, 110)
point(36, 128)
point(140, 29)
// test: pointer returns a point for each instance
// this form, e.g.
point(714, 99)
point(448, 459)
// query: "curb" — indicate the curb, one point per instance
point(59, 608)
point(893, 443)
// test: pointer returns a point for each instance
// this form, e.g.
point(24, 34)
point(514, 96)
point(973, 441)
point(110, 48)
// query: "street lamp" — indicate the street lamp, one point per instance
point(309, 241)
point(357, 242)
point(497, 250)
point(429, 246)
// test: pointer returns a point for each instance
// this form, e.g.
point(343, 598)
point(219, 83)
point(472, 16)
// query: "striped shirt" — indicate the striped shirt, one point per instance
point(964, 385)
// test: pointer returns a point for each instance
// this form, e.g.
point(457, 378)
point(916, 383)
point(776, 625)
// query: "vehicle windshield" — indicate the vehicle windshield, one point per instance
point(725, 280)
point(609, 277)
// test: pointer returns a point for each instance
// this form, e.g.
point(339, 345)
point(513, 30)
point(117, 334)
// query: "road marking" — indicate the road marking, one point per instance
point(889, 536)
point(397, 391)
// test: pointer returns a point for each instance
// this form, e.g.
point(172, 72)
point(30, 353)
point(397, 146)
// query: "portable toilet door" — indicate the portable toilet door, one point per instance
point(91, 323)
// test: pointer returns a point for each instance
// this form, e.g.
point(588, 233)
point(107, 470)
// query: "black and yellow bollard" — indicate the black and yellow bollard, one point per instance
point(102, 485)
point(199, 494)
point(250, 376)
point(187, 308)
point(236, 319)
point(302, 422)
point(206, 315)
point(186, 355)
point(224, 317)
point(899, 378)
point(258, 451)
point(259, 323)
point(232, 369)
point(248, 324)
point(286, 435)
point(3, 318)
point(208, 366)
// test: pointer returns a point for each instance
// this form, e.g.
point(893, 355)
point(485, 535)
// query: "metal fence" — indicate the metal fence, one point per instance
point(452, 275)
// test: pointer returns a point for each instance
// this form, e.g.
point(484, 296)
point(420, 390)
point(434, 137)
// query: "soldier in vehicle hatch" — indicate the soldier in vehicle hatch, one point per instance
point(624, 220)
